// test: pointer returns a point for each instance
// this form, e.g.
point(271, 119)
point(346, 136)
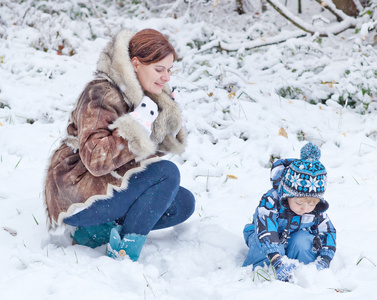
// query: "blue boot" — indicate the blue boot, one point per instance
point(130, 245)
point(94, 236)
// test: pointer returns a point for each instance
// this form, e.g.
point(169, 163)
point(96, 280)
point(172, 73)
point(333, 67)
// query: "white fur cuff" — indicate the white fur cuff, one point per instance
point(139, 142)
point(172, 144)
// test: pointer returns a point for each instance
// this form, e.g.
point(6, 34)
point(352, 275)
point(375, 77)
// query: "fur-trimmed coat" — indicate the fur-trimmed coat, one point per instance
point(104, 145)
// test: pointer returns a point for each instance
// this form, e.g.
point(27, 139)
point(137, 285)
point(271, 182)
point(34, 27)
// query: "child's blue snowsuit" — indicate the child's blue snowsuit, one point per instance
point(276, 229)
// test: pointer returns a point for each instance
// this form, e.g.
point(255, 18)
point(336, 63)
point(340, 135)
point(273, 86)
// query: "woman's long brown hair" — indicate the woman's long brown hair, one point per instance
point(150, 46)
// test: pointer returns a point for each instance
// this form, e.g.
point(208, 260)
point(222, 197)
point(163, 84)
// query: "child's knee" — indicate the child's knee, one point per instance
point(248, 233)
point(300, 245)
point(301, 238)
point(255, 256)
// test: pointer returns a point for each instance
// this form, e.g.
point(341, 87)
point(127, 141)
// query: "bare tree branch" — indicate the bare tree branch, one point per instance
point(260, 42)
point(330, 9)
point(248, 45)
point(280, 11)
point(305, 29)
point(348, 22)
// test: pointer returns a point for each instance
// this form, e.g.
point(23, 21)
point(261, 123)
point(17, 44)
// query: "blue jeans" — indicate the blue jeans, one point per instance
point(299, 247)
point(153, 200)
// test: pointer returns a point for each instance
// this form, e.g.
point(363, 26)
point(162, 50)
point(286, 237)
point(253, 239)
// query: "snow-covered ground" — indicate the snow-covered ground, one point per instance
point(234, 112)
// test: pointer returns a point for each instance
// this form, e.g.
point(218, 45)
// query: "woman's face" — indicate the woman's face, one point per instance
point(153, 77)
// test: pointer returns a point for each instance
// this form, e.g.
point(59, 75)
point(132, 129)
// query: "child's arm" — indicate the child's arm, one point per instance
point(266, 223)
point(327, 233)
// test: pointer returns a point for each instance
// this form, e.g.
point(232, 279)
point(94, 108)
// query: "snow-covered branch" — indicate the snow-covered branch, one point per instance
point(330, 6)
point(248, 45)
point(261, 41)
point(347, 22)
point(100, 17)
point(339, 14)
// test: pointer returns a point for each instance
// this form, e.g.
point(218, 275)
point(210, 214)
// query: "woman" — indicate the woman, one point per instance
point(106, 179)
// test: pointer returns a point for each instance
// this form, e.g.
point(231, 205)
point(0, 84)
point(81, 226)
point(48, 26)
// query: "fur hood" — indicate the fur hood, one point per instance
point(115, 65)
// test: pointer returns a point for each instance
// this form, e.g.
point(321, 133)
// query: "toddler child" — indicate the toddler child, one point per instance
point(290, 221)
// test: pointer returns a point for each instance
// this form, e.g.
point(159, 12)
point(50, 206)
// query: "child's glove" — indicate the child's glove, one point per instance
point(283, 268)
point(145, 113)
point(322, 262)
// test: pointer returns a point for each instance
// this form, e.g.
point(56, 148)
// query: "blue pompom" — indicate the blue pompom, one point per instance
point(310, 152)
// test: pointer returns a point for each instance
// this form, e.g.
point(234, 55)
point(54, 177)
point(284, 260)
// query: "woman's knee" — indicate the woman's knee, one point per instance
point(187, 202)
point(190, 206)
point(167, 169)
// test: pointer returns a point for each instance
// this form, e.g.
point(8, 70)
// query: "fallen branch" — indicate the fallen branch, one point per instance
point(261, 42)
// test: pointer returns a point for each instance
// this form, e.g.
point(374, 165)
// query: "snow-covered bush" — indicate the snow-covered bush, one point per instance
point(52, 22)
point(233, 50)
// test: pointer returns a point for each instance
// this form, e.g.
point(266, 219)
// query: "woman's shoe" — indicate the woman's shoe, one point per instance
point(130, 245)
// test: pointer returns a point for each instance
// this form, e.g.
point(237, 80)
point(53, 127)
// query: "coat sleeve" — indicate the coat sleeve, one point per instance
point(327, 233)
point(265, 218)
point(101, 149)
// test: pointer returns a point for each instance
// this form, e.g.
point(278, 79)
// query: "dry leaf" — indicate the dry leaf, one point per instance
point(231, 176)
point(342, 290)
point(283, 133)
point(11, 231)
point(232, 95)
point(330, 83)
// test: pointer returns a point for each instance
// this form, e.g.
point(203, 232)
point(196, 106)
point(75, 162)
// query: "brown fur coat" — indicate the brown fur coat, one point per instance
point(104, 146)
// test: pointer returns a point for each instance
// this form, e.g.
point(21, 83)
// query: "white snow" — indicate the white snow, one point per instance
point(233, 112)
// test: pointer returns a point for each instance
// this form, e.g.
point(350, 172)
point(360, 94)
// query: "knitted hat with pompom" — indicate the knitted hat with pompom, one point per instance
point(305, 177)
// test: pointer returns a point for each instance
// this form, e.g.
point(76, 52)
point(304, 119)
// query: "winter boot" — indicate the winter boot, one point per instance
point(130, 245)
point(94, 236)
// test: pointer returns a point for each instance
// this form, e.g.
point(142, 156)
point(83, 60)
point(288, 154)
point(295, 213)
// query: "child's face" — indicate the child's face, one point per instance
point(302, 205)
